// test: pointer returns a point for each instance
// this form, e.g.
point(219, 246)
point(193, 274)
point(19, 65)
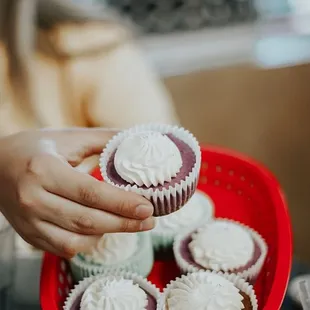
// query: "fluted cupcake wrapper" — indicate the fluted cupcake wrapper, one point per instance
point(166, 200)
point(163, 239)
point(141, 262)
point(238, 282)
point(143, 283)
point(249, 274)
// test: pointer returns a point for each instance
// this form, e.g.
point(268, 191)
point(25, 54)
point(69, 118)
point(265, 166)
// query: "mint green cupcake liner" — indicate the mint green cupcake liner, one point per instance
point(140, 263)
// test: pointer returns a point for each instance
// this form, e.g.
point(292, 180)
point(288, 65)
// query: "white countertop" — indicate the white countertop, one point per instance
point(181, 53)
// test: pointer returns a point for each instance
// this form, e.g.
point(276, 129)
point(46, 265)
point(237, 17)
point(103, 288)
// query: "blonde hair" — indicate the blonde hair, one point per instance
point(22, 22)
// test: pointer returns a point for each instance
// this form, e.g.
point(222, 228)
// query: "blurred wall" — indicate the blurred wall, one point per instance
point(265, 114)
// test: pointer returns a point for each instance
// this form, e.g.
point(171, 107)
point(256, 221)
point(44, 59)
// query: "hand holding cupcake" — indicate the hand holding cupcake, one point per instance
point(160, 162)
point(218, 256)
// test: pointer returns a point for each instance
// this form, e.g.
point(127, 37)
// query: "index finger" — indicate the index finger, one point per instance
point(65, 181)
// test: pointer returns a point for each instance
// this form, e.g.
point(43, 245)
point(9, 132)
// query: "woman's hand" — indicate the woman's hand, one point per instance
point(51, 204)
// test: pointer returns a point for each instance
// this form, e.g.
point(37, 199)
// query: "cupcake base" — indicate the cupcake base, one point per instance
point(246, 301)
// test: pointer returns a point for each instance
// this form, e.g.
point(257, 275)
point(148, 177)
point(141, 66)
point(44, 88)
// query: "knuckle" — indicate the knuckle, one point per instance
point(26, 199)
point(37, 165)
point(88, 195)
point(130, 225)
point(122, 207)
point(84, 223)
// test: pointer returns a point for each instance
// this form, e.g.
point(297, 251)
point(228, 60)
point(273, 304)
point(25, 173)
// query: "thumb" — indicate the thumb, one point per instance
point(88, 164)
point(91, 160)
point(91, 141)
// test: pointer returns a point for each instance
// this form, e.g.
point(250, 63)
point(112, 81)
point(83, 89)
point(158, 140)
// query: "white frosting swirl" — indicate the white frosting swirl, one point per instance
point(194, 210)
point(204, 292)
point(148, 158)
point(113, 248)
point(114, 294)
point(222, 245)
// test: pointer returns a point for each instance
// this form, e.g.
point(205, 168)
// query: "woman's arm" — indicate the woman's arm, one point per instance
point(127, 92)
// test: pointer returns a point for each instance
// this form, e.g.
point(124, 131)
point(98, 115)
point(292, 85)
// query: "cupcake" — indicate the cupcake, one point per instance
point(123, 291)
point(131, 252)
point(199, 209)
point(208, 290)
point(160, 162)
point(221, 245)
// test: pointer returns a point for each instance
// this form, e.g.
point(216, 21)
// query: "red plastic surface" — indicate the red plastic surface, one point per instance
point(241, 190)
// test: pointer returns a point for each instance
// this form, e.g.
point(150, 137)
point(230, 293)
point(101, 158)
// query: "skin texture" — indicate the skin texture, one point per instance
point(53, 205)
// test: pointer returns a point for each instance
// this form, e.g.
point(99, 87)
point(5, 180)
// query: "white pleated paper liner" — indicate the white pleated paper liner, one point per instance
point(143, 283)
point(249, 274)
point(140, 263)
point(238, 282)
point(163, 238)
point(166, 200)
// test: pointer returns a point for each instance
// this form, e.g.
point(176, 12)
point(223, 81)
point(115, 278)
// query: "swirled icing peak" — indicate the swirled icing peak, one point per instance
point(190, 214)
point(222, 245)
point(148, 158)
point(113, 294)
point(204, 292)
point(113, 248)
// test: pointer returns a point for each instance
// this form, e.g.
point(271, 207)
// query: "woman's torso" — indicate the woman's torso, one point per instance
point(59, 86)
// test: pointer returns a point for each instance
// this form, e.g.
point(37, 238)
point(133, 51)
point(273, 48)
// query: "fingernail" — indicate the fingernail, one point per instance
point(148, 224)
point(144, 211)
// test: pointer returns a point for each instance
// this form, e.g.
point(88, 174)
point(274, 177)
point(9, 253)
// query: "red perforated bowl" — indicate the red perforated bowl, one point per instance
point(241, 190)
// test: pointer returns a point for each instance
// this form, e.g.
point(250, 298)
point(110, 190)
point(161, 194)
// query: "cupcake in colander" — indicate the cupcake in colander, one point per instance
point(221, 245)
point(209, 290)
point(119, 291)
point(115, 252)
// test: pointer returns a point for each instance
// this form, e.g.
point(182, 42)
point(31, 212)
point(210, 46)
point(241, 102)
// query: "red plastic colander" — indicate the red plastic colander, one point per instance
point(241, 190)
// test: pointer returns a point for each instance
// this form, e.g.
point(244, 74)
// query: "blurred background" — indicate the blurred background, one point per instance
point(239, 76)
